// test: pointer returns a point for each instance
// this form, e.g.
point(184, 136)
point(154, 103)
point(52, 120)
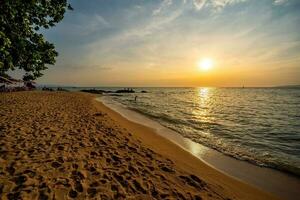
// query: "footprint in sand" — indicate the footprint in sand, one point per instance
point(92, 192)
point(73, 194)
point(55, 164)
point(78, 186)
point(193, 181)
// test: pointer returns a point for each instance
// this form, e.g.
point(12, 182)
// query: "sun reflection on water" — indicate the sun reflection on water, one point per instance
point(202, 110)
point(204, 92)
point(196, 149)
point(202, 103)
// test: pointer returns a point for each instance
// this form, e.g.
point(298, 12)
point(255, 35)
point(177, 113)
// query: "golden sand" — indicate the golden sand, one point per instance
point(65, 145)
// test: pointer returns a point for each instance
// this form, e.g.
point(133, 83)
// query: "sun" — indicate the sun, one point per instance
point(205, 64)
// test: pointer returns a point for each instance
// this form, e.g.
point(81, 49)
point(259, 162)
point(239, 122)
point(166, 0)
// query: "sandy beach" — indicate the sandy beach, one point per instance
point(66, 145)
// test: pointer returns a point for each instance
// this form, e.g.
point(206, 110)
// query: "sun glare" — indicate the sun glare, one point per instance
point(205, 64)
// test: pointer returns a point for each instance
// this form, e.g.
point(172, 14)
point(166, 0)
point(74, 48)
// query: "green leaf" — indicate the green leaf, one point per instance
point(20, 44)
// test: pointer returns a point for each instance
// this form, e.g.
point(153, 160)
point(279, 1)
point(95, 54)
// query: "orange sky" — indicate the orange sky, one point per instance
point(160, 42)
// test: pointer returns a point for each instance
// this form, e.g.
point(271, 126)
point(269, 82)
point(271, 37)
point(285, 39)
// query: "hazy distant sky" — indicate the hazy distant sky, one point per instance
point(159, 42)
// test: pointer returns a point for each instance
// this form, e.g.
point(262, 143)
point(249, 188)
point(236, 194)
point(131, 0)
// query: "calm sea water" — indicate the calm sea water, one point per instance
point(258, 125)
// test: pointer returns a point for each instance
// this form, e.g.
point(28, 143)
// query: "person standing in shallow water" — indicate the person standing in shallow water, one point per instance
point(135, 98)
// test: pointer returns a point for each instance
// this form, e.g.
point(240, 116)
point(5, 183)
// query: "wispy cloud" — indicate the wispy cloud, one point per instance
point(215, 4)
point(164, 4)
point(84, 25)
point(131, 39)
point(90, 67)
point(153, 39)
point(92, 23)
point(199, 4)
point(279, 2)
point(218, 5)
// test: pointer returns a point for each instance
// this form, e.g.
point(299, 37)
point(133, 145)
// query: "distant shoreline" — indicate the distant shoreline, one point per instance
point(77, 88)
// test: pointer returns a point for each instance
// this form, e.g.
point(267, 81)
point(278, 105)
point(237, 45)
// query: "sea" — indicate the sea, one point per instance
point(258, 125)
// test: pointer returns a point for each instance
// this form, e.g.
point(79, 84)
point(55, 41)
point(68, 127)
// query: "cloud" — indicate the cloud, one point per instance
point(199, 4)
point(125, 44)
point(218, 5)
point(215, 4)
point(279, 2)
point(84, 25)
point(91, 67)
point(155, 24)
point(91, 24)
point(164, 4)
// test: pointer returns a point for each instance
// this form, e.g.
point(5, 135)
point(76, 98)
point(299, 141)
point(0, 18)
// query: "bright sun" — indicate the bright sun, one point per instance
point(205, 64)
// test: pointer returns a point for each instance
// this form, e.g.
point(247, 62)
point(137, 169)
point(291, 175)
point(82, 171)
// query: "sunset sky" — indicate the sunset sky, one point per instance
point(163, 42)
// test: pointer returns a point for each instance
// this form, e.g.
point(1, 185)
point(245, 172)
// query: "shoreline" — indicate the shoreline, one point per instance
point(276, 182)
point(67, 145)
point(184, 159)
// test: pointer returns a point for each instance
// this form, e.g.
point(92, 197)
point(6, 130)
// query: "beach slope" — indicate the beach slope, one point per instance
point(65, 145)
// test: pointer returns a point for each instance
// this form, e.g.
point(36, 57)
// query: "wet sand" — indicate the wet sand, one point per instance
point(65, 145)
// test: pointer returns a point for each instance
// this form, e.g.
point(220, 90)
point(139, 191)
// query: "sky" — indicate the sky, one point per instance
point(161, 42)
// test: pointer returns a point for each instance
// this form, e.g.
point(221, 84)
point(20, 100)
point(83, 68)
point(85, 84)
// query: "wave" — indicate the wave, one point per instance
point(266, 161)
point(246, 132)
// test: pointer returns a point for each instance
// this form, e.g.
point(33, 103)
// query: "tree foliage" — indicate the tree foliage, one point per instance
point(21, 44)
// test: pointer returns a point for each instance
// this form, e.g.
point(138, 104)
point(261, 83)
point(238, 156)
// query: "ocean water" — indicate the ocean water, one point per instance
point(258, 125)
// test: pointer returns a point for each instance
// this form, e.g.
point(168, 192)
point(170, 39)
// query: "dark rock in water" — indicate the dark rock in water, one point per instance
point(144, 91)
point(62, 89)
point(126, 90)
point(93, 91)
point(47, 89)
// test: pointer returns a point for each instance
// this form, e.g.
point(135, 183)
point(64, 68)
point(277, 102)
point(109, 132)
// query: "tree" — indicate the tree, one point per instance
point(21, 45)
